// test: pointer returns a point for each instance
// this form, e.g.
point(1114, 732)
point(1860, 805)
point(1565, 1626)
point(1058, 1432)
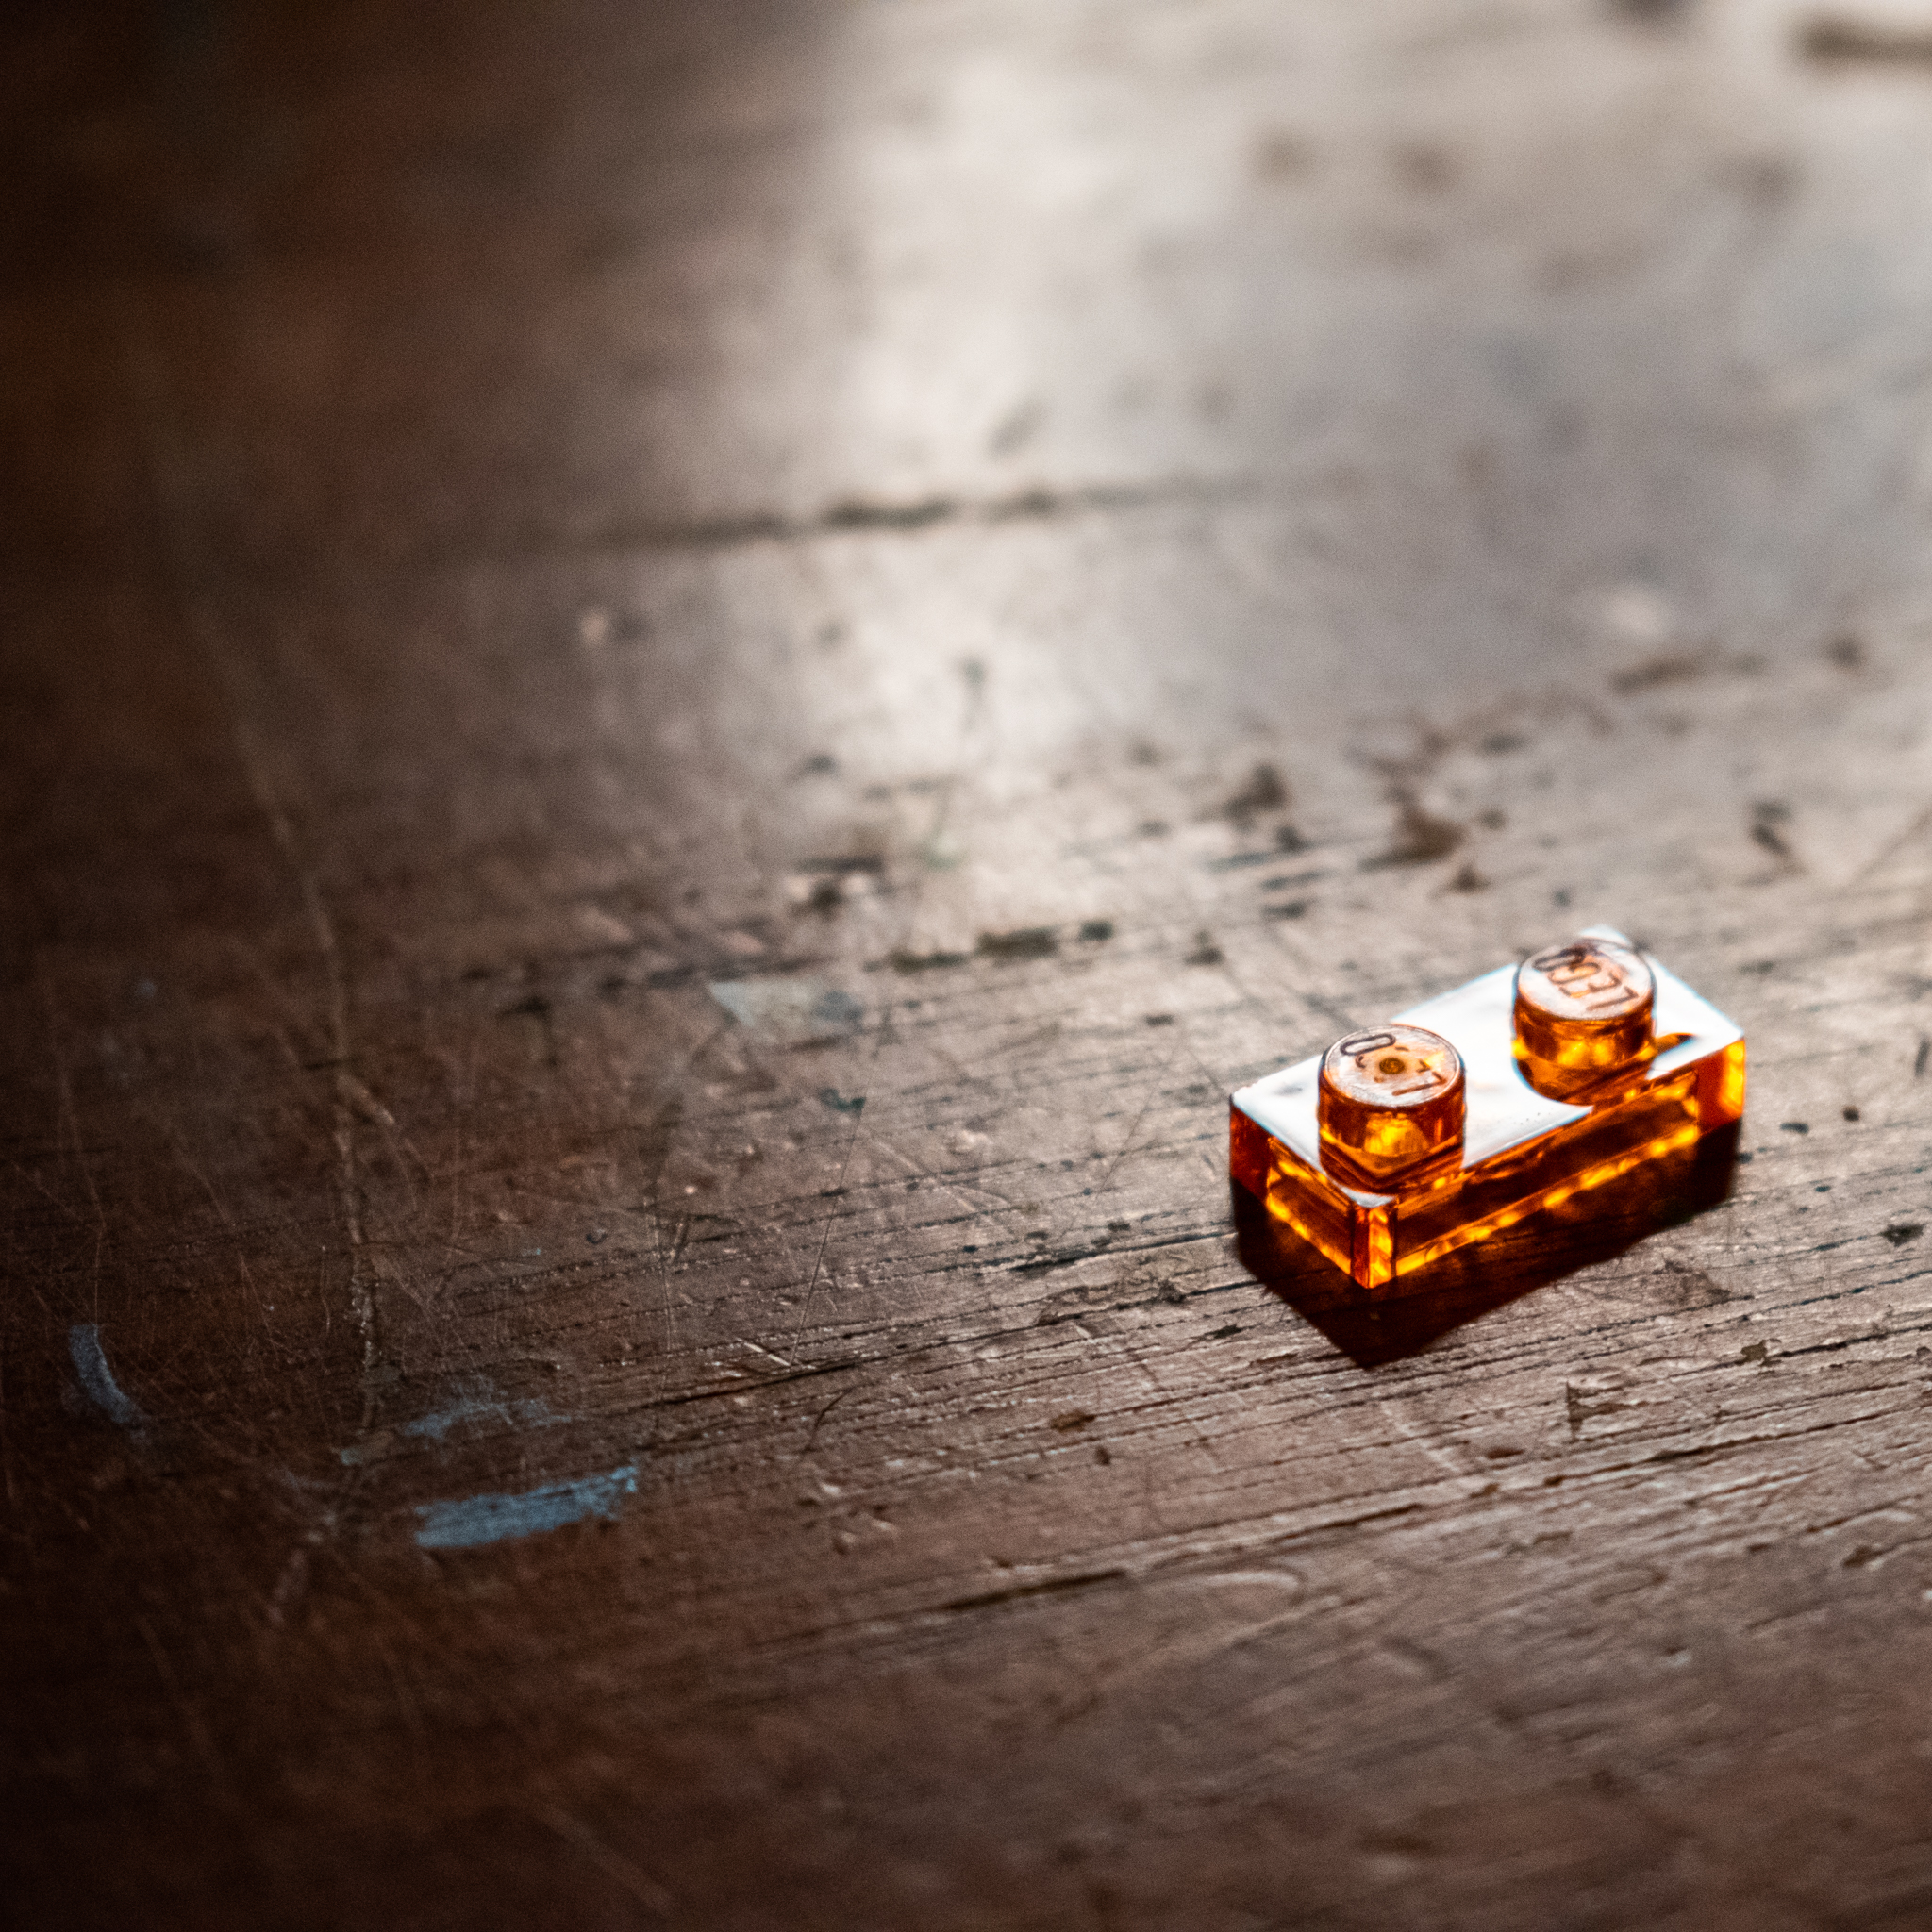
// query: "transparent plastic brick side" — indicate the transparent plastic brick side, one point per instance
point(1523, 1149)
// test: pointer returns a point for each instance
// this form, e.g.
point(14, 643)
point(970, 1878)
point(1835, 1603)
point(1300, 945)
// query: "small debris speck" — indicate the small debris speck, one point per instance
point(1794, 1126)
point(1263, 792)
point(1858, 43)
point(1421, 838)
point(901, 960)
point(1030, 943)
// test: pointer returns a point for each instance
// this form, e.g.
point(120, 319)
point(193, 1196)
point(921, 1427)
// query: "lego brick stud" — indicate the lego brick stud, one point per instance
point(1390, 1106)
point(1584, 1017)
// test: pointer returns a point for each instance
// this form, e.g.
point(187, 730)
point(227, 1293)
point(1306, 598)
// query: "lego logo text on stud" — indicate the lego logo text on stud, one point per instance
point(1585, 1016)
point(1390, 1108)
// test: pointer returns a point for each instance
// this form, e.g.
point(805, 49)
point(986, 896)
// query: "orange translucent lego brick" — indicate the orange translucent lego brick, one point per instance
point(1481, 1107)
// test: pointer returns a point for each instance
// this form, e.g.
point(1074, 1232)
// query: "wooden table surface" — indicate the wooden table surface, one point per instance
point(682, 684)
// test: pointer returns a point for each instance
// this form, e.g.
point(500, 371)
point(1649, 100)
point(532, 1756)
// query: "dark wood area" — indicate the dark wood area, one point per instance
point(681, 685)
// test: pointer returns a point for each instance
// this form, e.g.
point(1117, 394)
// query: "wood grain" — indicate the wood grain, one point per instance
point(683, 686)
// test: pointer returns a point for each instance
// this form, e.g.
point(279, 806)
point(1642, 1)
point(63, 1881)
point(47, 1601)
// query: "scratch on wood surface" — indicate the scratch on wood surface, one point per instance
point(884, 516)
point(220, 1207)
point(191, 578)
point(192, 1725)
point(405, 1700)
point(289, 1585)
point(1915, 828)
point(5, 1426)
point(643, 1888)
point(1197, 1646)
point(70, 1135)
point(857, 1116)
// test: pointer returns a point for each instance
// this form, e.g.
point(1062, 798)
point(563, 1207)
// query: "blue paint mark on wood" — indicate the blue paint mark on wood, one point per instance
point(794, 1012)
point(476, 1519)
point(481, 1405)
point(97, 1379)
point(476, 1401)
